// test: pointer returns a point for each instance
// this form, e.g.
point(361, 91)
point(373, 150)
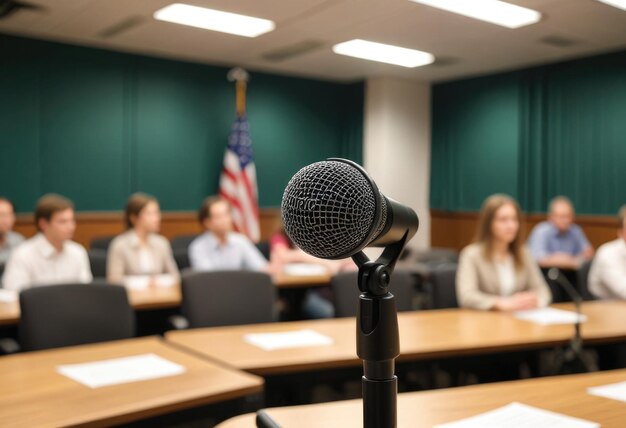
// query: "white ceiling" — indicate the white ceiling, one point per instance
point(463, 46)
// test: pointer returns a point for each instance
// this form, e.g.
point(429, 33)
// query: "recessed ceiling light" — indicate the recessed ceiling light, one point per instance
point(383, 53)
point(215, 20)
point(494, 11)
point(620, 4)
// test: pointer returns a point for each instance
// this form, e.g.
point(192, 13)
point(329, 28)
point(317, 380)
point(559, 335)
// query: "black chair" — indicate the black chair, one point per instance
point(441, 286)
point(264, 248)
point(436, 256)
point(98, 263)
point(346, 292)
point(181, 257)
point(182, 242)
point(74, 314)
point(582, 280)
point(101, 243)
point(1, 272)
point(227, 298)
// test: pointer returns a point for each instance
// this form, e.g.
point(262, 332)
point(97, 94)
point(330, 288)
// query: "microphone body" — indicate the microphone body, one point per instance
point(333, 209)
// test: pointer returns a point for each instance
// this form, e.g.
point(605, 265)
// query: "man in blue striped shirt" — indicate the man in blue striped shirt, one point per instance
point(558, 242)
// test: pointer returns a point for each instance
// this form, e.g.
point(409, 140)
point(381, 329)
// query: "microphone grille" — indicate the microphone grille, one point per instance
point(329, 209)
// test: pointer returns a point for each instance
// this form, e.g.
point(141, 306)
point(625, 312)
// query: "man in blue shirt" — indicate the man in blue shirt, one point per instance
point(558, 242)
point(219, 248)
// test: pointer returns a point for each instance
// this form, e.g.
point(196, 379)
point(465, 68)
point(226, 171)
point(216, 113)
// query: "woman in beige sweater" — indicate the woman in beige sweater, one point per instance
point(141, 250)
point(496, 272)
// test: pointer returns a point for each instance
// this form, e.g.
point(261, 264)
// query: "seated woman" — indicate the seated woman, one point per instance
point(497, 272)
point(141, 250)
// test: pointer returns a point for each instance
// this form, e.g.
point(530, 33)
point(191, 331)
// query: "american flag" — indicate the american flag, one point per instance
point(238, 181)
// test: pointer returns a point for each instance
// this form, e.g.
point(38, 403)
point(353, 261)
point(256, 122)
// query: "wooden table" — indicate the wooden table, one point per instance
point(423, 335)
point(170, 297)
point(563, 394)
point(32, 393)
point(284, 281)
point(144, 299)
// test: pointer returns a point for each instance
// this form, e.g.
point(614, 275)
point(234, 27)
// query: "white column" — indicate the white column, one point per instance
point(397, 145)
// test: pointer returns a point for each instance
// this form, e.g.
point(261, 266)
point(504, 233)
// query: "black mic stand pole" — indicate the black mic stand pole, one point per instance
point(378, 337)
point(574, 353)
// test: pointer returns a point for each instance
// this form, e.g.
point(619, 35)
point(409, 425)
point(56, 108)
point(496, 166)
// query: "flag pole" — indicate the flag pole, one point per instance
point(240, 77)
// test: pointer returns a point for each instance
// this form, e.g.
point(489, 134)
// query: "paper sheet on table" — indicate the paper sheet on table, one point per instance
point(164, 280)
point(97, 374)
point(290, 339)
point(549, 316)
point(614, 391)
point(304, 269)
point(8, 296)
point(518, 415)
point(142, 282)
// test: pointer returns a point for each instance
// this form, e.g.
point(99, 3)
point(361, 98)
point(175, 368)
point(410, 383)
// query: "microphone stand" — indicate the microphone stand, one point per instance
point(573, 356)
point(378, 337)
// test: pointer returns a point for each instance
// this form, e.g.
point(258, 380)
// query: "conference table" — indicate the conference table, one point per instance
point(34, 393)
point(563, 394)
point(424, 335)
point(154, 298)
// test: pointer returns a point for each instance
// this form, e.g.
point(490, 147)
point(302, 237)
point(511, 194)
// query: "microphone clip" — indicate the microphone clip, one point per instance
point(375, 276)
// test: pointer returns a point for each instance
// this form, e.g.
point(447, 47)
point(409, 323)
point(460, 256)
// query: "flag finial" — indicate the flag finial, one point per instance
point(240, 77)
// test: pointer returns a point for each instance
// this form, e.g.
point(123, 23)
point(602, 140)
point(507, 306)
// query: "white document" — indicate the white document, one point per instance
point(116, 371)
point(290, 339)
point(142, 282)
point(8, 296)
point(304, 269)
point(549, 316)
point(137, 282)
point(614, 391)
point(164, 280)
point(518, 415)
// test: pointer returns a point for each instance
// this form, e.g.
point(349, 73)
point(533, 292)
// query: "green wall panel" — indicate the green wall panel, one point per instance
point(97, 125)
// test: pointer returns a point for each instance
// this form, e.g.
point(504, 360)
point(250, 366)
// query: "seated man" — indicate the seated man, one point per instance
point(8, 239)
point(607, 277)
point(558, 242)
point(49, 257)
point(219, 248)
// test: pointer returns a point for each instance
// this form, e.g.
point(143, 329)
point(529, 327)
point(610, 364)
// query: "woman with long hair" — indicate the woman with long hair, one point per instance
point(497, 272)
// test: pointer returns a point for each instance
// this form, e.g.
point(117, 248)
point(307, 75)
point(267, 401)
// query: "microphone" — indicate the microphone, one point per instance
point(333, 210)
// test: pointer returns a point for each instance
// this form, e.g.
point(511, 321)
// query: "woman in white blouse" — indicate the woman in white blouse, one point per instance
point(496, 272)
point(141, 250)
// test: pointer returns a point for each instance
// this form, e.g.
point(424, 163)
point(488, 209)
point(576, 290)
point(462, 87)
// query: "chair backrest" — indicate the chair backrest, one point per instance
point(437, 255)
point(227, 298)
point(442, 286)
point(582, 280)
point(346, 292)
point(182, 242)
point(264, 248)
point(74, 314)
point(101, 243)
point(98, 263)
point(181, 257)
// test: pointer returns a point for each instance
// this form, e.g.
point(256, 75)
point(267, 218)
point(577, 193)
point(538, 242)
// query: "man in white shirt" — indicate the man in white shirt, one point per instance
point(220, 248)
point(49, 257)
point(8, 239)
point(607, 277)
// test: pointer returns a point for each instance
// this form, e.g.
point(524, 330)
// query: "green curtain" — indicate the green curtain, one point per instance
point(565, 126)
point(96, 125)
